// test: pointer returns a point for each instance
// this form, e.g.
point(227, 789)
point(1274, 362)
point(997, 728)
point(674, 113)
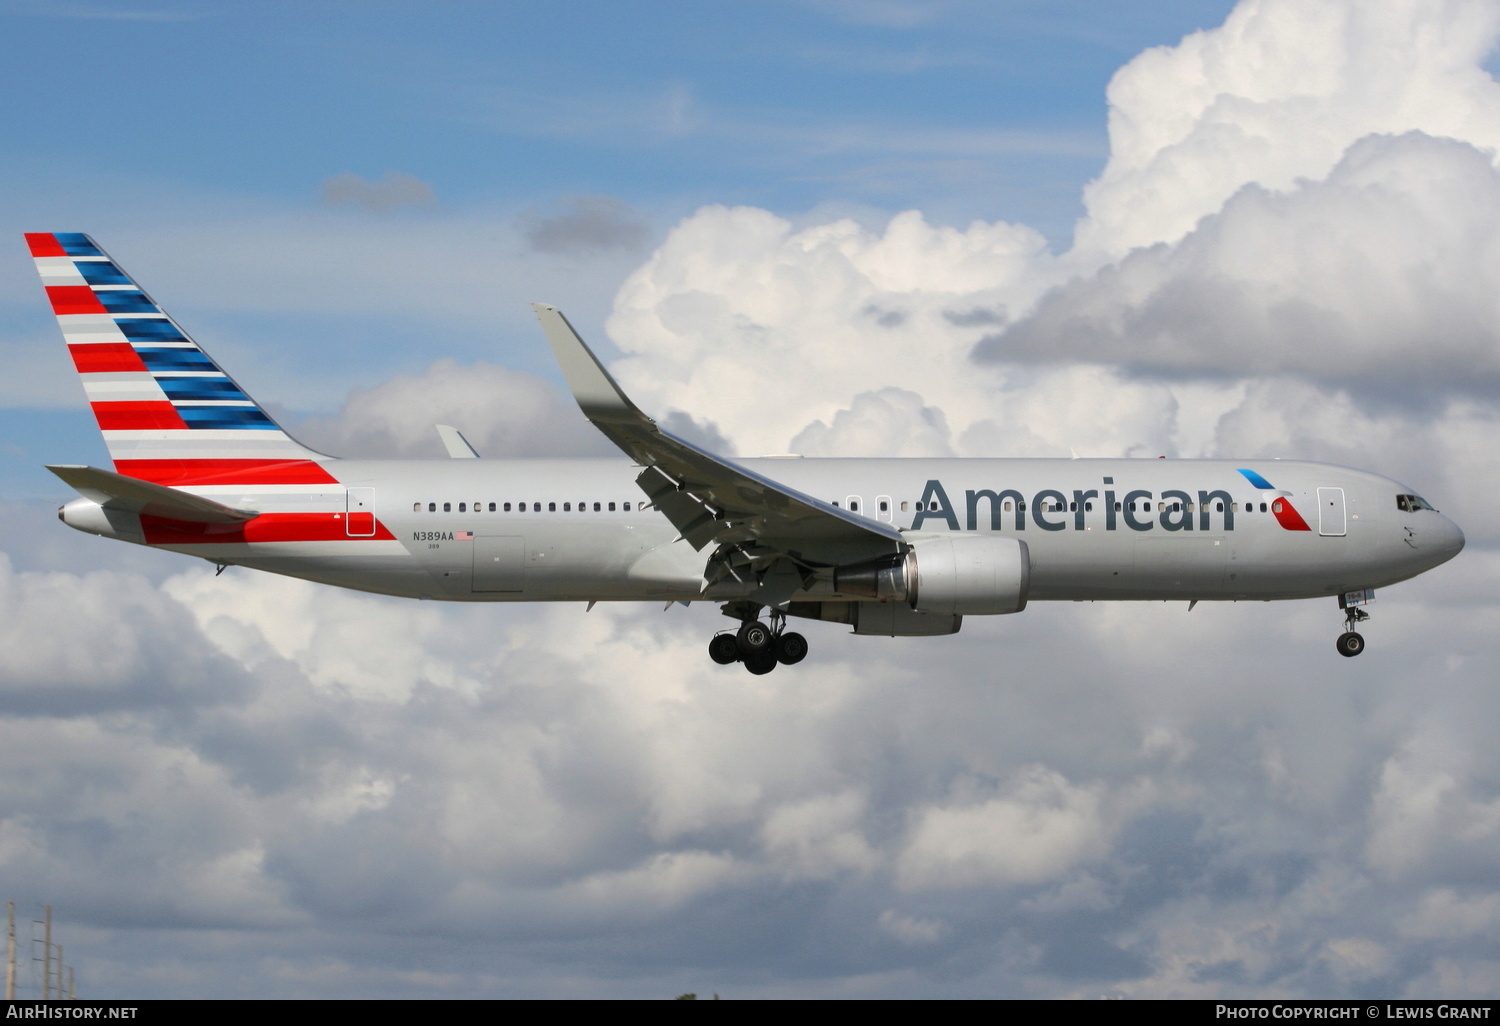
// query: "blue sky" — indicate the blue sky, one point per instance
point(195, 120)
point(834, 227)
point(667, 105)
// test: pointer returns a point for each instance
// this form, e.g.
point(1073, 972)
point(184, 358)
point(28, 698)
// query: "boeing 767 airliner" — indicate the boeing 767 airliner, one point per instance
point(887, 546)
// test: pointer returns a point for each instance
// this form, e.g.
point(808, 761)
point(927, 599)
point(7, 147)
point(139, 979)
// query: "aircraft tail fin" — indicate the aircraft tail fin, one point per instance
point(169, 414)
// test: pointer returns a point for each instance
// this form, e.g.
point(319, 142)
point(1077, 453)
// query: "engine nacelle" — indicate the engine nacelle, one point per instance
point(976, 574)
point(888, 619)
point(949, 575)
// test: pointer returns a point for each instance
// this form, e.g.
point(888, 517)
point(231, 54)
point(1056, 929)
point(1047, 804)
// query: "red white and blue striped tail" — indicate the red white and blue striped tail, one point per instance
point(168, 412)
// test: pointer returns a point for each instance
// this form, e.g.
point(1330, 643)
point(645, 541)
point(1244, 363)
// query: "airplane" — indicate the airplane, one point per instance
point(892, 547)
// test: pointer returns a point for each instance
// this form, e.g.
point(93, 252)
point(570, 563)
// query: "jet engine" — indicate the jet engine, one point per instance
point(978, 574)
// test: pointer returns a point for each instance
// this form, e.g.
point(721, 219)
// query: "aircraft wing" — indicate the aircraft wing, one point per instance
point(708, 498)
point(129, 493)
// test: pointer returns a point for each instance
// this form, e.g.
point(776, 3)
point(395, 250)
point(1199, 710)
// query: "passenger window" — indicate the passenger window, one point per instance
point(611, 507)
point(903, 506)
point(463, 507)
point(1275, 507)
point(1117, 507)
point(626, 507)
point(1218, 507)
point(1007, 505)
point(885, 507)
point(416, 507)
point(432, 507)
point(447, 507)
point(492, 507)
point(919, 507)
point(567, 507)
point(596, 507)
point(551, 507)
point(1021, 507)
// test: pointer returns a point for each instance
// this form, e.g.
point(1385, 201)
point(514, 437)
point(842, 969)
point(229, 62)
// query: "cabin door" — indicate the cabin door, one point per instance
point(499, 564)
point(359, 520)
point(1331, 518)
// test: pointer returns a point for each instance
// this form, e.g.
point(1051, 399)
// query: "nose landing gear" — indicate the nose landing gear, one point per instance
point(1352, 643)
point(759, 647)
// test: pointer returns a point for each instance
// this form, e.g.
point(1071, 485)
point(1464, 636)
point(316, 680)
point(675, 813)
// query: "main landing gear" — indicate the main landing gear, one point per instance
point(759, 647)
point(1351, 643)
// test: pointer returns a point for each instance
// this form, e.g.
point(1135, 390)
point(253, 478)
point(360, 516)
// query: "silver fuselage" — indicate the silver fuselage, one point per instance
point(560, 529)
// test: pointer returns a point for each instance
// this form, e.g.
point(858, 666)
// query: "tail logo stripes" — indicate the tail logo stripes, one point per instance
point(168, 412)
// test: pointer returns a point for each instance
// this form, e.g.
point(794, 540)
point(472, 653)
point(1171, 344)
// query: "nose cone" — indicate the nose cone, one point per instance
point(1449, 541)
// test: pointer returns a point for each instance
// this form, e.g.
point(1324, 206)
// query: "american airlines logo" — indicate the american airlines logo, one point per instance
point(1052, 510)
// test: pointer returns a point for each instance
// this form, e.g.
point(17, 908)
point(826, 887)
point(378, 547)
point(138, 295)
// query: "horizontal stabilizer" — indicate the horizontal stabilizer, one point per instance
point(117, 491)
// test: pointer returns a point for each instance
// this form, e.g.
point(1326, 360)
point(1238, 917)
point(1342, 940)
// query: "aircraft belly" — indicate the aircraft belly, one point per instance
point(670, 570)
point(1303, 564)
point(574, 561)
point(1126, 567)
point(384, 573)
point(538, 560)
point(499, 565)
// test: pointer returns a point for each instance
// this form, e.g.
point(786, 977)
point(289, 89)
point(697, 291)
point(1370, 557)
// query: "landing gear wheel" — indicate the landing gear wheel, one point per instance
point(791, 648)
point(724, 649)
point(1350, 644)
point(760, 662)
point(754, 637)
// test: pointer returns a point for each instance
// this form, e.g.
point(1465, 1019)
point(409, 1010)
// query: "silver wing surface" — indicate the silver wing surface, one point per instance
point(709, 499)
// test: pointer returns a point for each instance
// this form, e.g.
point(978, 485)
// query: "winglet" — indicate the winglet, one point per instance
point(597, 393)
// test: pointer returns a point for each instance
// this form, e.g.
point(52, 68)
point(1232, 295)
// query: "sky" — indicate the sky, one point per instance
point(835, 227)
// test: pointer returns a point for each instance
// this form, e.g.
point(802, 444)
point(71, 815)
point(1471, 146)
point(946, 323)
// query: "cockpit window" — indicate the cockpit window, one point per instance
point(1411, 503)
